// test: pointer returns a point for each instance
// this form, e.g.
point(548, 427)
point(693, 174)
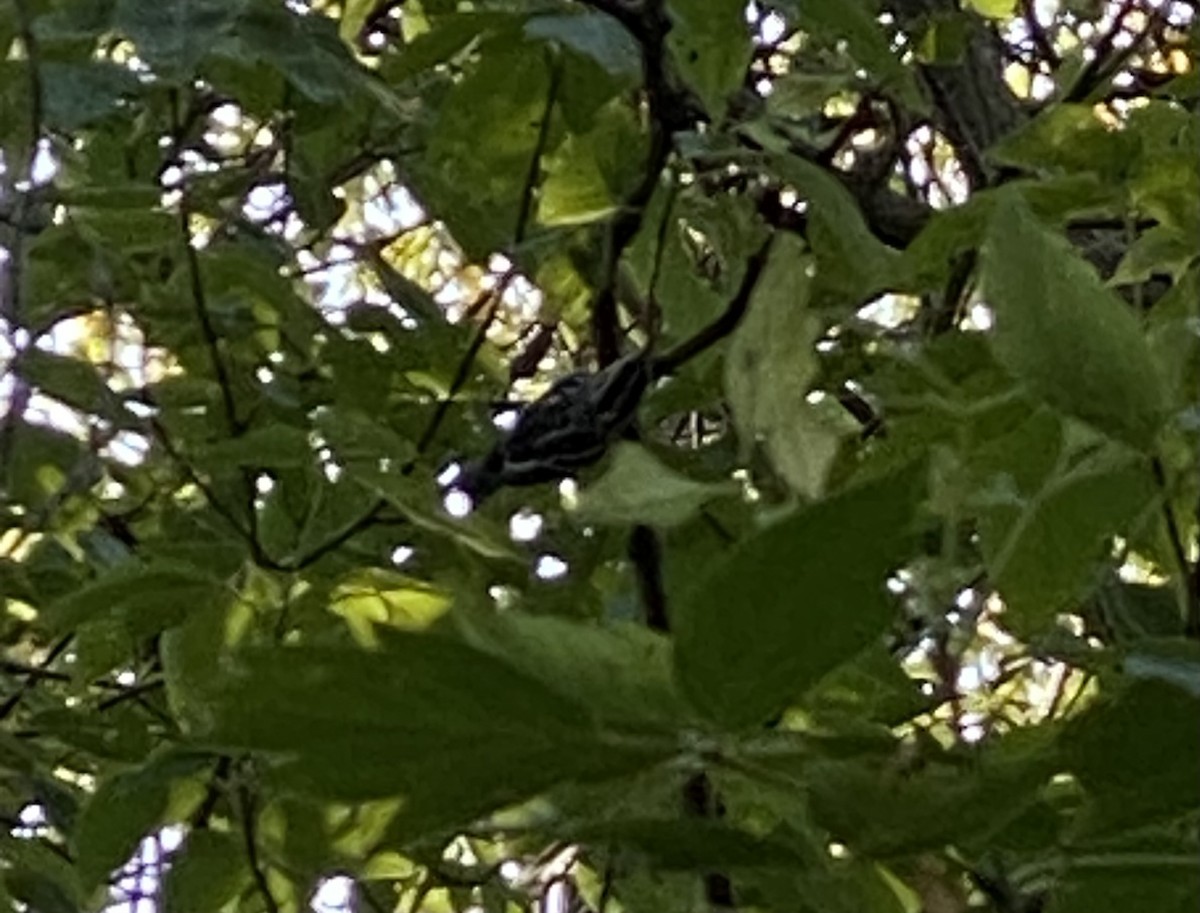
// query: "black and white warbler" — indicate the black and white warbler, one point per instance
point(565, 430)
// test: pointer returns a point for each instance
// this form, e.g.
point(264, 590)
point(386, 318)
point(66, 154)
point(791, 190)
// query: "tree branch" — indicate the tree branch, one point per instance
point(671, 361)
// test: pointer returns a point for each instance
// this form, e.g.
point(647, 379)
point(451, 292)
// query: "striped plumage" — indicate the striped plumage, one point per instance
point(565, 430)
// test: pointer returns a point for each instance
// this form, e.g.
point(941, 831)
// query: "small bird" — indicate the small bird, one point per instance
point(565, 430)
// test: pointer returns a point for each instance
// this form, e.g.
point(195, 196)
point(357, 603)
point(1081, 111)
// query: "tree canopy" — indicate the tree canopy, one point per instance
point(833, 367)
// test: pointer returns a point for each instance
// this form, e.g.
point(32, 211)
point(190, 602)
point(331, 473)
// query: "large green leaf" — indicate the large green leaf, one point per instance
point(79, 94)
point(1074, 342)
point(793, 601)
point(452, 730)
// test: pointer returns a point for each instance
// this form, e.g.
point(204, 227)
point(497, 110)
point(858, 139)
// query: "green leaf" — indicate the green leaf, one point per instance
point(854, 22)
point(1070, 138)
point(452, 730)
point(621, 674)
point(146, 597)
point(711, 45)
point(594, 35)
point(871, 686)
point(638, 488)
point(309, 53)
point(1058, 329)
point(448, 35)
point(793, 601)
point(1041, 551)
point(36, 875)
point(771, 364)
point(1163, 250)
point(270, 447)
point(173, 38)
point(477, 162)
point(881, 809)
point(691, 845)
point(208, 872)
point(78, 94)
point(77, 383)
point(853, 264)
point(993, 9)
point(1136, 753)
point(589, 173)
point(126, 808)
point(475, 532)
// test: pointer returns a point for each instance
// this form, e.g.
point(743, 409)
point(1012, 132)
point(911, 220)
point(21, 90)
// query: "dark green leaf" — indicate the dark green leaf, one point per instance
point(146, 598)
point(78, 94)
point(794, 601)
point(873, 686)
point(881, 810)
point(477, 164)
point(77, 383)
point(454, 731)
point(174, 37)
point(1136, 753)
point(694, 845)
point(269, 447)
point(206, 873)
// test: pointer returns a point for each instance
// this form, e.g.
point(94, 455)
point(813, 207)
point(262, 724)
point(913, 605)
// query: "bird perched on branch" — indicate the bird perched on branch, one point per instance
point(565, 430)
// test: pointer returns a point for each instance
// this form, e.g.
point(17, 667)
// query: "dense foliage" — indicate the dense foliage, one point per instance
point(889, 599)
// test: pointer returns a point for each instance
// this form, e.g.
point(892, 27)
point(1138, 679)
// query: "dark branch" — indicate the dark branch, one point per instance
point(672, 360)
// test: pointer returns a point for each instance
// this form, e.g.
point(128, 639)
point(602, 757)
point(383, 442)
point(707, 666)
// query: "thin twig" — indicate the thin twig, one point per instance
point(1101, 66)
point(1191, 576)
point(11, 286)
point(648, 25)
point(246, 801)
point(30, 683)
point(524, 213)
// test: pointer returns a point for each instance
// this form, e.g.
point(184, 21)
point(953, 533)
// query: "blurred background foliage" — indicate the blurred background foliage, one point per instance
point(890, 603)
